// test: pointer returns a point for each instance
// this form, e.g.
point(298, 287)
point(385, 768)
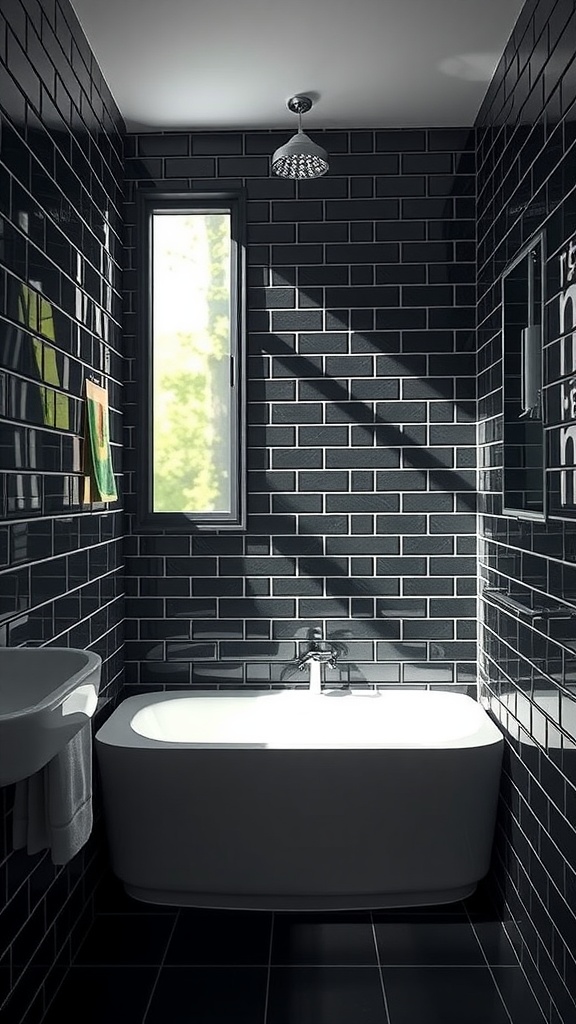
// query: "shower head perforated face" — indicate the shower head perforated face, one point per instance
point(300, 157)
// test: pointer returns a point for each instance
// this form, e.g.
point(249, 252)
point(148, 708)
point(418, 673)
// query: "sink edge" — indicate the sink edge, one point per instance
point(56, 696)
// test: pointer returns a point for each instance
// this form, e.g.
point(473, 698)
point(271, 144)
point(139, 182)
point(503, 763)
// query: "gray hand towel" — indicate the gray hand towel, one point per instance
point(53, 808)
point(29, 815)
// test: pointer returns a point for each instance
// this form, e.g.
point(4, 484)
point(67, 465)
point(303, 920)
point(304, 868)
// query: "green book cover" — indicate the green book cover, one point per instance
point(99, 434)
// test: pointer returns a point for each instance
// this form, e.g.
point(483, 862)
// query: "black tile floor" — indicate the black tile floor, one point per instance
point(142, 964)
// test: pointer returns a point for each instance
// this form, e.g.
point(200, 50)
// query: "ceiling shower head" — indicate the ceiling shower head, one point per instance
point(300, 157)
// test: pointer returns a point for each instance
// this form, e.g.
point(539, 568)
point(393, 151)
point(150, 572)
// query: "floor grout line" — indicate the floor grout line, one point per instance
point(436, 967)
point(373, 920)
point(160, 966)
point(269, 967)
point(524, 972)
point(333, 963)
point(489, 966)
point(379, 966)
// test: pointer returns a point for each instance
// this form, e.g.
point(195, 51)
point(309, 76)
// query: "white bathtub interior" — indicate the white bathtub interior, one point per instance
point(288, 719)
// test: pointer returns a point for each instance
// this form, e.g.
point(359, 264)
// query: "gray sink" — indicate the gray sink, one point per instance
point(46, 695)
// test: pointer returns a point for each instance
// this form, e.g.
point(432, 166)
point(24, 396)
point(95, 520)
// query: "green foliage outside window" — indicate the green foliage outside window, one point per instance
point(191, 362)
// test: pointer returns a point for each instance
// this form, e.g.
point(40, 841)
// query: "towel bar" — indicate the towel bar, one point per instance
point(500, 597)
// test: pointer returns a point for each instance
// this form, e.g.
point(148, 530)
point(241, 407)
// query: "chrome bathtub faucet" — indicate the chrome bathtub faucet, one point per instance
point(318, 654)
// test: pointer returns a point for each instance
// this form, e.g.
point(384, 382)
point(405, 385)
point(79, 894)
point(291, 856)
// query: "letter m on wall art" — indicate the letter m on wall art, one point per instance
point(561, 392)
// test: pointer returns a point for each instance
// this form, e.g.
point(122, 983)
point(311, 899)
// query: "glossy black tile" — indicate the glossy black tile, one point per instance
point(125, 939)
point(443, 994)
point(316, 939)
point(446, 942)
point(163, 145)
point(325, 995)
point(496, 944)
point(400, 141)
point(212, 994)
point(219, 938)
point(121, 992)
point(517, 995)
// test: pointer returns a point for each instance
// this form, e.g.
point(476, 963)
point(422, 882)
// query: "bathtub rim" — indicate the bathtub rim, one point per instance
point(117, 730)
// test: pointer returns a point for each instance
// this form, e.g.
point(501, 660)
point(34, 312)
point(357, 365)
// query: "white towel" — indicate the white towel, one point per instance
point(53, 808)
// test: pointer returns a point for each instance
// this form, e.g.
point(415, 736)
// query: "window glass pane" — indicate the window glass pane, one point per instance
point(191, 344)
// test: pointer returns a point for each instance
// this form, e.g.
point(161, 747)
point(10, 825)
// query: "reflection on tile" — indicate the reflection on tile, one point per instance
point(496, 946)
point(313, 939)
point(420, 942)
point(443, 995)
point(518, 995)
point(325, 995)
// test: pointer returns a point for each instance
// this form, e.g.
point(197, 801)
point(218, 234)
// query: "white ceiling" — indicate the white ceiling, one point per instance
point(225, 64)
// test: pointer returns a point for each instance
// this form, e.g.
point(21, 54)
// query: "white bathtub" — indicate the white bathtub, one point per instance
point(285, 800)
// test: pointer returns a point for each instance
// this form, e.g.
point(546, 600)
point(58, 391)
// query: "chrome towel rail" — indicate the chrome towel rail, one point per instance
point(510, 604)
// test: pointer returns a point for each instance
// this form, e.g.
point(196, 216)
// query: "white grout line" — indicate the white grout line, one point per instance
point(160, 966)
point(471, 923)
point(388, 1018)
point(269, 968)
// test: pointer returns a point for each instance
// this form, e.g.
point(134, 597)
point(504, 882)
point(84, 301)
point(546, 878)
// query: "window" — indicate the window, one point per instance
point(192, 448)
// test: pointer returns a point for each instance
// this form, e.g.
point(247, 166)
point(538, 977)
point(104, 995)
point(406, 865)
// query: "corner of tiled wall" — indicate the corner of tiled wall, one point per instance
point(61, 577)
point(526, 134)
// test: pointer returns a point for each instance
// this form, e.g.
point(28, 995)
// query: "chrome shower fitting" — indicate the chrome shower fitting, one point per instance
point(300, 157)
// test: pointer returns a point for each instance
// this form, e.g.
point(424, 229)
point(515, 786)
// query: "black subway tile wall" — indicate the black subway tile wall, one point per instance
point(526, 133)
point(60, 562)
point(364, 291)
point(361, 420)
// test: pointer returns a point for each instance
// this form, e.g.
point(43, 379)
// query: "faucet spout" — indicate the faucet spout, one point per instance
point(315, 657)
point(315, 676)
